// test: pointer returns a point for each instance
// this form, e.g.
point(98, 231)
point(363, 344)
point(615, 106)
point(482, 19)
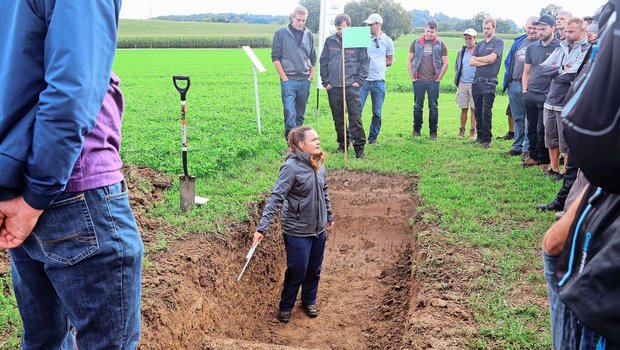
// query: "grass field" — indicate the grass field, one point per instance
point(134, 33)
point(485, 201)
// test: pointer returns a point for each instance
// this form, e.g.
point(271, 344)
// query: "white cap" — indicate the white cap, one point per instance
point(470, 31)
point(374, 18)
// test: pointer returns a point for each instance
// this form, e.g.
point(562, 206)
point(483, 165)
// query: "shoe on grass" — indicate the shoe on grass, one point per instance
point(511, 153)
point(554, 205)
point(508, 136)
point(461, 132)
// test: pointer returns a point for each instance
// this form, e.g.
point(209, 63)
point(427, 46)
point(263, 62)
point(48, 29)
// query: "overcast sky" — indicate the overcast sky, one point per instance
point(518, 10)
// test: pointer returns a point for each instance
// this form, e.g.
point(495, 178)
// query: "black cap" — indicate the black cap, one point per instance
point(545, 19)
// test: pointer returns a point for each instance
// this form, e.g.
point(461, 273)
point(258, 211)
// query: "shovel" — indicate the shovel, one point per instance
point(187, 184)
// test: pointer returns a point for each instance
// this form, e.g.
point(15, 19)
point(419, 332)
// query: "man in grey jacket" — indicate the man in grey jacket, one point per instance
point(356, 64)
point(561, 66)
point(294, 57)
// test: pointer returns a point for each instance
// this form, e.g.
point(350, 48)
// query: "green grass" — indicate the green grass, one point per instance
point(10, 323)
point(133, 33)
point(484, 201)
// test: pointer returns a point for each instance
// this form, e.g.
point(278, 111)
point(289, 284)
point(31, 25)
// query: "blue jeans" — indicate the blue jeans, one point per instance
point(82, 266)
point(304, 258)
point(483, 91)
point(295, 95)
point(420, 88)
point(563, 322)
point(517, 108)
point(376, 88)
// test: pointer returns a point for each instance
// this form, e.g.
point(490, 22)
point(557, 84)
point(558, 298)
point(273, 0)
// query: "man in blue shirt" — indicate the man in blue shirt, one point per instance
point(381, 54)
point(464, 74)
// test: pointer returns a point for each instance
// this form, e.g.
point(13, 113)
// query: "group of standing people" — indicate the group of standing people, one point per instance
point(540, 67)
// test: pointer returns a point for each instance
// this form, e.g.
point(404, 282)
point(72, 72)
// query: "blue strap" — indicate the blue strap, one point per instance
point(575, 235)
point(602, 344)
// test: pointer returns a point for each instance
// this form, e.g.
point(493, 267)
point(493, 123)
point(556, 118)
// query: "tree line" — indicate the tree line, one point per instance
point(396, 20)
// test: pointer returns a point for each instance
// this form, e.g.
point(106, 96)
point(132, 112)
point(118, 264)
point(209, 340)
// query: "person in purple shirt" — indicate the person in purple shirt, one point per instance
point(76, 253)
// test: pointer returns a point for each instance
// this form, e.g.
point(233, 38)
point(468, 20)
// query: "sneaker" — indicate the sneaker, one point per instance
point(486, 145)
point(554, 175)
point(529, 162)
point(461, 132)
point(472, 134)
point(434, 136)
point(284, 316)
point(508, 136)
point(554, 205)
point(415, 133)
point(372, 142)
point(360, 154)
point(525, 155)
point(512, 153)
point(311, 310)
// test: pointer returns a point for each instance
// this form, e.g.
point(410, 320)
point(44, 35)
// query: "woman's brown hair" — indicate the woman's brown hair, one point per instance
point(297, 135)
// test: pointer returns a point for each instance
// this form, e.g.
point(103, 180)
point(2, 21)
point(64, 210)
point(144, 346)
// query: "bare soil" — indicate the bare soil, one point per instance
point(381, 287)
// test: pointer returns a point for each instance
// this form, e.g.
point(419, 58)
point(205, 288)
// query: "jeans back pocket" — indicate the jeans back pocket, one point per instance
point(65, 231)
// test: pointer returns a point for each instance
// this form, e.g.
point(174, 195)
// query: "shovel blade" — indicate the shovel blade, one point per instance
point(187, 187)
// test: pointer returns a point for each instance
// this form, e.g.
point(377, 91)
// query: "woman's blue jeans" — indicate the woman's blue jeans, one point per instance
point(304, 257)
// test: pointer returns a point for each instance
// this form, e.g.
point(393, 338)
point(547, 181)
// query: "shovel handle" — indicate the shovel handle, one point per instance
point(181, 89)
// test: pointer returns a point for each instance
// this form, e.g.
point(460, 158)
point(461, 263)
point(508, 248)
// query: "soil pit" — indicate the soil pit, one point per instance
point(192, 299)
point(380, 288)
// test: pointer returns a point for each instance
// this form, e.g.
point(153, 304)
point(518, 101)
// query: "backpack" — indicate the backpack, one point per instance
point(591, 115)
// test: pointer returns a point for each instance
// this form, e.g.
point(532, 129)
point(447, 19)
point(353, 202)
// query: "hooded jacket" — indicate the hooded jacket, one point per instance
point(554, 67)
point(301, 195)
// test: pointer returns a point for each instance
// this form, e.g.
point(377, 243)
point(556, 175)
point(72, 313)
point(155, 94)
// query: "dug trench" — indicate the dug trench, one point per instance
point(381, 287)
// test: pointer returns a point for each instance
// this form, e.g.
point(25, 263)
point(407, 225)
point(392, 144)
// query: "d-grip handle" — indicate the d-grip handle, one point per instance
point(181, 90)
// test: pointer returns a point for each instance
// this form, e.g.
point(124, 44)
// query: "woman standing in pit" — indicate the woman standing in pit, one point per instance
point(300, 193)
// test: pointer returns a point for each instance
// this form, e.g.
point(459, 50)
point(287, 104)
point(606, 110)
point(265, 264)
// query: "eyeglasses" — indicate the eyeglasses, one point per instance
point(376, 42)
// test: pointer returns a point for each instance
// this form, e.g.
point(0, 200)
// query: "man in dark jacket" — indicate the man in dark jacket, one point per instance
point(294, 57)
point(561, 67)
point(356, 63)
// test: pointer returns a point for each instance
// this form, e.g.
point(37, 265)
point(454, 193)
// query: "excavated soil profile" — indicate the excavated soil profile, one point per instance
point(369, 295)
point(192, 299)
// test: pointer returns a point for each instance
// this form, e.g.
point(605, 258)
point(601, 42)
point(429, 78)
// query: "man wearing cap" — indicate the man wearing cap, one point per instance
point(514, 64)
point(535, 88)
point(294, 57)
point(427, 63)
point(464, 74)
point(561, 67)
point(487, 58)
point(381, 54)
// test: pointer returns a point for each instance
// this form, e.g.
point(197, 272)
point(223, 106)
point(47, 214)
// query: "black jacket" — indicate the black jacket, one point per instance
point(356, 63)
